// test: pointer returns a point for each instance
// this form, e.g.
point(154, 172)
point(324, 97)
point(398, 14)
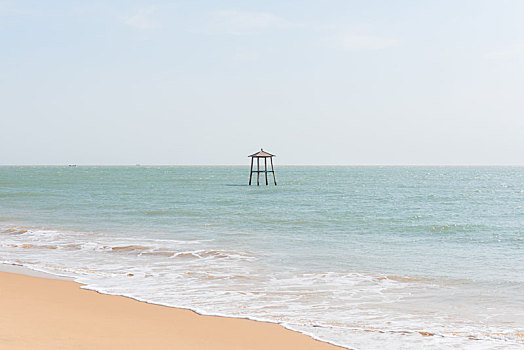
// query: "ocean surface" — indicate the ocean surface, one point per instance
point(363, 257)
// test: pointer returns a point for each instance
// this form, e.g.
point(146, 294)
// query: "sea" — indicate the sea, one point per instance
point(362, 257)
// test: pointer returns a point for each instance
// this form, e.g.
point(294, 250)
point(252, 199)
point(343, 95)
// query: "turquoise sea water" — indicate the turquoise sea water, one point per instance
point(364, 257)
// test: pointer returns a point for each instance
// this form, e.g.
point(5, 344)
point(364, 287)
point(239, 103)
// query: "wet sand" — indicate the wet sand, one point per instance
point(43, 313)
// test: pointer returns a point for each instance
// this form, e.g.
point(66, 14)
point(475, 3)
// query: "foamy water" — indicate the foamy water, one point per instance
point(367, 258)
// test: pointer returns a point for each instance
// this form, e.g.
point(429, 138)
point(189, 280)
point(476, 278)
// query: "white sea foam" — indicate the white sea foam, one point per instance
point(356, 310)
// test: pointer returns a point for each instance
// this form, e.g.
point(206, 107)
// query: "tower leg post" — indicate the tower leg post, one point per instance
point(251, 171)
point(258, 171)
point(265, 168)
point(273, 171)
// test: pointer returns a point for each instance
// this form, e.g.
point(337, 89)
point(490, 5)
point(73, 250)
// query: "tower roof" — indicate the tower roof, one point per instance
point(262, 154)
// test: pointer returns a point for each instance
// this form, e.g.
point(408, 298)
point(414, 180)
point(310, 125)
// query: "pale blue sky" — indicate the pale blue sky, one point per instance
point(209, 82)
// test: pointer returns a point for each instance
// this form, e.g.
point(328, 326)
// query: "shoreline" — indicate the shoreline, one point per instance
point(23, 270)
point(46, 311)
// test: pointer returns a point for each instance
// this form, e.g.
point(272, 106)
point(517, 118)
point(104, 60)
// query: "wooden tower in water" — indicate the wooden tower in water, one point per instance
point(265, 155)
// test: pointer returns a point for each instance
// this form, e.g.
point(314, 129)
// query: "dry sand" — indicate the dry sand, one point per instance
point(41, 313)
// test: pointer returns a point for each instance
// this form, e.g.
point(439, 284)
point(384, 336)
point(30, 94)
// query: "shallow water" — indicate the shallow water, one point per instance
point(364, 257)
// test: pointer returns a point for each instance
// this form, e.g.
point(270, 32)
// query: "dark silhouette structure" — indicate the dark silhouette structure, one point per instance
point(265, 155)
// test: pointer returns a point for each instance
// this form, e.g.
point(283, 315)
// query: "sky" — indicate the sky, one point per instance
point(332, 82)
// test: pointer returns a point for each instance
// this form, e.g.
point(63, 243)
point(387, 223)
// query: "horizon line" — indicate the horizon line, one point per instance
point(243, 165)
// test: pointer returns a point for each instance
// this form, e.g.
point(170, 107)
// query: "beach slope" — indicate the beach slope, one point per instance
point(40, 313)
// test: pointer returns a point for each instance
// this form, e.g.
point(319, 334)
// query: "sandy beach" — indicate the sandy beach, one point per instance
point(43, 313)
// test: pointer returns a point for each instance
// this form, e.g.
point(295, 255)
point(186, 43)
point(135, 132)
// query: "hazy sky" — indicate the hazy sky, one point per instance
point(210, 82)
